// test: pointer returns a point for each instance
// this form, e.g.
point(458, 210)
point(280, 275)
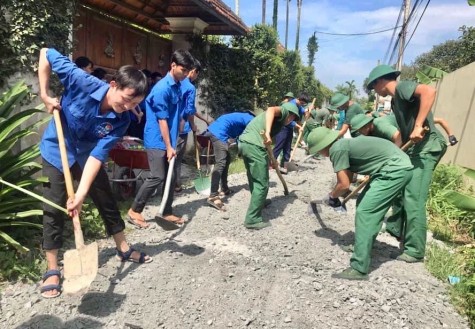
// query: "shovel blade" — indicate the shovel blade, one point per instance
point(203, 185)
point(80, 268)
point(291, 166)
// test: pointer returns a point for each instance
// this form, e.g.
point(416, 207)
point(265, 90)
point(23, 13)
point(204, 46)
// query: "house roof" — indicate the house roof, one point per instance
point(153, 14)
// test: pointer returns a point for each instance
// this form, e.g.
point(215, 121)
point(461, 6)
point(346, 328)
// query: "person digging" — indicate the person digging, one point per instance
point(390, 171)
point(256, 160)
point(348, 109)
point(226, 127)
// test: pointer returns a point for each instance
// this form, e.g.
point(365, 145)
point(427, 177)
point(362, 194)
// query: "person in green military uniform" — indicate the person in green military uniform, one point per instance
point(389, 169)
point(316, 118)
point(411, 105)
point(256, 160)
point(383, 127)
point(343, 103)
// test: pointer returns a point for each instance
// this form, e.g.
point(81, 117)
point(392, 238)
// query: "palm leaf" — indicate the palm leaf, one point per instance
point(11, 98)
point(8, 239)
point(429, 74)
point(460, 200)
point(12, 123)
point(22, 214)
point(471, 2)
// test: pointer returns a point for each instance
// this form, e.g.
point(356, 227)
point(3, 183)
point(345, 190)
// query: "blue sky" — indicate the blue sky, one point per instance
point(342, 58)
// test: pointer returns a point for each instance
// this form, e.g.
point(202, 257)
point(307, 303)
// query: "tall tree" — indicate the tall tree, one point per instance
point(312, 48)
point(299, 10)
point(287, 23)
point(274, 15)
point(352, 90)
point(263, 11)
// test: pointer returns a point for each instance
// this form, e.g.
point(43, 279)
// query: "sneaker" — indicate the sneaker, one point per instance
point(409, 259)
point(350, 274)
point(257, 226)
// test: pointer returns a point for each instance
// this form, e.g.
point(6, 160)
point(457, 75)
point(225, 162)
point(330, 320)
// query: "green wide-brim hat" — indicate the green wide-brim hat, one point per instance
point(378, 72)
point(289, 95)
point(292, 108)
point(359, 121)
point(319, 138)
point(338, 100)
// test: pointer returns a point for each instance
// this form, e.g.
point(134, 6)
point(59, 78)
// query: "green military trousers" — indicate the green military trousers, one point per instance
point(256, 161)
point(371, 206)
point(409, 211)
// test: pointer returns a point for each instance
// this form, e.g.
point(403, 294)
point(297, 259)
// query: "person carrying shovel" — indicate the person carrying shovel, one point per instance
point(164, 112)
point(390, 170)
point(256, 159)
point(411, 105)
point(225, 128)
point(93, 115)
point(348, 109)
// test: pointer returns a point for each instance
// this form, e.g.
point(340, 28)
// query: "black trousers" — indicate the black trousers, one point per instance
point(221, 166)
point(55, 190)
point(158, 163)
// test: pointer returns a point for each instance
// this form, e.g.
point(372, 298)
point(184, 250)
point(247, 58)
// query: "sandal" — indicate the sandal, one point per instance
point(51, 287)
point(127, 256)
point(216, 202)
point(137, 223)
point(226, 193)
point(172, 219)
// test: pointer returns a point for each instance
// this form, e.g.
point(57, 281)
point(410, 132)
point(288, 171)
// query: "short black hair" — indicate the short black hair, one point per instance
point(183, 58)
point(197, 66)
point(130, 77)
point(99, 73)
point(83, 61)
point(155, 75)
point(147, 73)
point(303, 97)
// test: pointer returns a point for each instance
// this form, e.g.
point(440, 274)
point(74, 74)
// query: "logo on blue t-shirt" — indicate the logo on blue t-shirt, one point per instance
point(103, 129)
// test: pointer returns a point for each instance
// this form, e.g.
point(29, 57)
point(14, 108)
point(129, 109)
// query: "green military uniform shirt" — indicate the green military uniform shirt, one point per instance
point(353, 110)
point(318, 118)
point(406, 107)
point(366, 155)
point(385, 127)
point(252, 133)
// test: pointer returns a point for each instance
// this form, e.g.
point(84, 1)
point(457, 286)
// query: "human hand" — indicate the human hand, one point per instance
point(453, 140)
point(333, 202)
point(170, 153)
point(51, 103)
point(74, 205)
point(267, 139)
point(417, 134)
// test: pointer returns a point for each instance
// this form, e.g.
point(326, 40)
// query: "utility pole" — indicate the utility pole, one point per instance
point(299, 10)
point(236, 3)
point(287, 24)
point(402, 40)
point(263, 12)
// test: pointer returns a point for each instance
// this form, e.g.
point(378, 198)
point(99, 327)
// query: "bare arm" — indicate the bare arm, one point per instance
point(165, 132)
point(444, 124)
point(396, 138)
point(343, 183)
point(44, 72)
point(426, 94)
point(202, 118)
point(343, 130)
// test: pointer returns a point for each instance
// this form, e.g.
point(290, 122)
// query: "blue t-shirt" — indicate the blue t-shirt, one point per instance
point(230, 125)
point(87, 132)
point(188, 90)
point(163, 103)
point(301, 112)
point(341, 119)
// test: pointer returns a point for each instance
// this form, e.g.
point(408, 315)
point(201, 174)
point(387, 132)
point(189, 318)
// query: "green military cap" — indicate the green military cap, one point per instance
point(338, 100)
point(319, 138)
point(359, 121)
point(378, 72)
point(292, 108)
point(289, 95)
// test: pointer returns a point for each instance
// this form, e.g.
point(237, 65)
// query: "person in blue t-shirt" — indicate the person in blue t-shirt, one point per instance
point(94, 118)
point(164, 112)
point(283, 140)
point(225, 128)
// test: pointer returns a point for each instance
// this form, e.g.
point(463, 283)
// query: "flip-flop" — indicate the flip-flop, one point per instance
point(219, 205)
point(179, 221)
point(130, 220)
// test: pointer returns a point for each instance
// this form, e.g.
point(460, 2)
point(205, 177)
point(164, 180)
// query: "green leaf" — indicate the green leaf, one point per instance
point(428, 74)
point(8, 239)
point(471, 2)
point(470, 172)
point(460, 200)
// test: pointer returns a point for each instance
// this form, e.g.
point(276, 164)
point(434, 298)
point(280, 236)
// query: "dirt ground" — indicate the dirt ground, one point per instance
point(214, 273)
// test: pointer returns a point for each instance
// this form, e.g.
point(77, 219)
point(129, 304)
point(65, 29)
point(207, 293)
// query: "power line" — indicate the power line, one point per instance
point(364, 33)
point(423, 12)
point(394, 33)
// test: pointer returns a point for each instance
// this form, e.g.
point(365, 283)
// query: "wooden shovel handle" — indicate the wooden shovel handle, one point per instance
point(78, 236)
point(299, 138)
point(197, 151)
point(274, 163)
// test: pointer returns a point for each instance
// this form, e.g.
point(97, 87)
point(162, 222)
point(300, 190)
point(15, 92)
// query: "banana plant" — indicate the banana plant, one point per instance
point(18, 211)
point(429, 74)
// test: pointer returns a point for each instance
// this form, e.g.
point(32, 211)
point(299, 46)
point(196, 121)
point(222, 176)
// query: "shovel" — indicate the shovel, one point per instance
point(168, 184)
point(202, 183)
point(80, 264)
point(274, 163)
point(291, 166)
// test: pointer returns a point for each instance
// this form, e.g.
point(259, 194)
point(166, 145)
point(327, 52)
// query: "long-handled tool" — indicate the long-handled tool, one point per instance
point(202, 183)
point(291, 166)
point(80, 264)
point(274, 163)
point(168, 183)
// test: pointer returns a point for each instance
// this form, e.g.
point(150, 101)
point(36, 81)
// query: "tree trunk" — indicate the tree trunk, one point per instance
point(274, 16)
point(299, 6)
point(263, 12)
point(287, 24)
